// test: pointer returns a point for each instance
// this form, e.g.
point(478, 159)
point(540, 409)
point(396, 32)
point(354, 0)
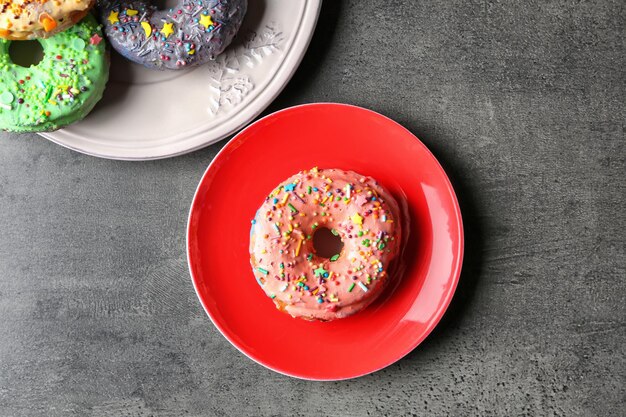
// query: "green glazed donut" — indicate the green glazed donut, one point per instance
point(59, 90)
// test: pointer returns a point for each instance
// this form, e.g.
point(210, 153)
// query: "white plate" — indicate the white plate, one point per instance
point(148, 114)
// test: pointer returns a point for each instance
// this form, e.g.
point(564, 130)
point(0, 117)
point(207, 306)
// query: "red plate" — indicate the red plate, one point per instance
point(327, 136)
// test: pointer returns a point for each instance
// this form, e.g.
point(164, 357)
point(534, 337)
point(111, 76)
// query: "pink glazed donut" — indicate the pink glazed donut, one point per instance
point(284, 258)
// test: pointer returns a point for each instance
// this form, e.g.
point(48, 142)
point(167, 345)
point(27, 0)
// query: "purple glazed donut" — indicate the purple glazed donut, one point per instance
point(192, 33)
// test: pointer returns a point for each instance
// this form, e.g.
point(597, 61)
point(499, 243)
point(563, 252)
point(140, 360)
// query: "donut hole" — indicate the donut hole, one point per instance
point(26, 53)
point(326, 244)
point(166, 4)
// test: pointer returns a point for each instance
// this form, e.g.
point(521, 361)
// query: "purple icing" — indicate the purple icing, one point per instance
point(192, 33)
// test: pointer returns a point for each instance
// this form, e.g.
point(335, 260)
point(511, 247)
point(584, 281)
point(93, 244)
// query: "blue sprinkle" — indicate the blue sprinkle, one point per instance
point(290, 187)
point(315, 189)
point(275, 200)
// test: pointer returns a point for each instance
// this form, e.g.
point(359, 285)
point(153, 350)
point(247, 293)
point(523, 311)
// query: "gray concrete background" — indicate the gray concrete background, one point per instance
point(523, 103)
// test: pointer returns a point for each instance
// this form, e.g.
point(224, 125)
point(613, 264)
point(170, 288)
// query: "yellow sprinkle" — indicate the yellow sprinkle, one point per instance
point(131, 12)
point(285, 199)
point(356, 218)
point(167, 29)
point(206, 21)
point(113, 17)
point(147, 28)
point(298, 247)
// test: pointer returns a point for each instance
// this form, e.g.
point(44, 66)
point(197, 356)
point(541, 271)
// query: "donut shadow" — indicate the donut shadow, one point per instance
point(251, 22)
point(114, 92)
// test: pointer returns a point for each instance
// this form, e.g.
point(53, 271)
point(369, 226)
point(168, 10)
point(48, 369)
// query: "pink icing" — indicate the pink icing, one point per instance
point(283, 258)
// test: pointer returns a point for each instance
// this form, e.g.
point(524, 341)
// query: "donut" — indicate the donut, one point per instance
point(30, 19)
point(192, 33)
point(59, 90)
point(286, 262)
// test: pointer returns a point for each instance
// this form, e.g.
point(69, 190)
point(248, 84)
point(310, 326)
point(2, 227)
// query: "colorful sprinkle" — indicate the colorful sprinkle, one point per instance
point(357, 219)
point(320, 271)
point(7, 97)
point(168, 29)
point(206, 21)
point(113, 17)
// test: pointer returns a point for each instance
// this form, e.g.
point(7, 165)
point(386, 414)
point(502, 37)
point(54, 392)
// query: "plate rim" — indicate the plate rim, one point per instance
point(313, 9)
point(457, 267)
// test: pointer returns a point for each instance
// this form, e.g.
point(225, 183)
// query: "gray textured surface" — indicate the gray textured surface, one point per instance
point(523, 102)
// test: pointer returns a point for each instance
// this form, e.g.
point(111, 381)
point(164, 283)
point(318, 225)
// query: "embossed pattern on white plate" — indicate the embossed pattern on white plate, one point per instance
point(147, 114)
point(231, 86)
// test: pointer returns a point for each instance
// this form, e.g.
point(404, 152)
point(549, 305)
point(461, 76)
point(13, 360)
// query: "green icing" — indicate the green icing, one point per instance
point(62, 88)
